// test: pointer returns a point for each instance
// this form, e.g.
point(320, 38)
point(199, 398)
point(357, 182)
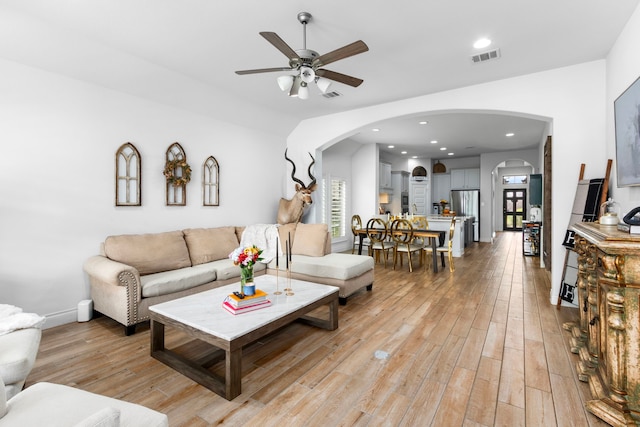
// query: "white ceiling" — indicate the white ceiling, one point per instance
point(181, 51)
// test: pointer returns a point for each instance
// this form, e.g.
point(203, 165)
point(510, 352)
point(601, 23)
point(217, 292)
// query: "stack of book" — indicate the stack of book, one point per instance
point(628, 228)
point(236, 305)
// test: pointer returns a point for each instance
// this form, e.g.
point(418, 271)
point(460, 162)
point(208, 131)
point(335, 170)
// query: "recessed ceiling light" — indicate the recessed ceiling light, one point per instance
point(449, 154)
point(403, 152)
point(443, 148)
point(482, 43)
point(423, 122)
point(434, 141)
point(510, 134)
point(375, 130)
point(414, 157)
point(391, 146)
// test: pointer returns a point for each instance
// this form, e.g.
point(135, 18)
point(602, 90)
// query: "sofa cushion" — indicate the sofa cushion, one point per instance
point(105, 417)
point(226, 269)
point(168, 282)
point(239, 231)
point(335, 266)
point(210, 244)
point(285, 231)
point(310, 240)
point(149, 253)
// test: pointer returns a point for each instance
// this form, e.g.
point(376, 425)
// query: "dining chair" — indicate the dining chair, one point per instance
point(421, 223)
point(448, 249)
point(356, 224)
point(377, 233)
point(401, 232)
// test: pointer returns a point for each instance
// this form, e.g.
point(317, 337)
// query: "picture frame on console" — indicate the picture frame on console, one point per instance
point(627, 127)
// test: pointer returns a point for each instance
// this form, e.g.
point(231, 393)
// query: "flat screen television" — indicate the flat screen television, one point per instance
point(627, 122)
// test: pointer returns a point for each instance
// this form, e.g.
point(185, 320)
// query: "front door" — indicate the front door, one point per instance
point(514, 209)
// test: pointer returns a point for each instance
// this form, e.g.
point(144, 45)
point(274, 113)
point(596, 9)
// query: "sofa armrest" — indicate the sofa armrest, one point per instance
point(112, 272)
point(115, 288)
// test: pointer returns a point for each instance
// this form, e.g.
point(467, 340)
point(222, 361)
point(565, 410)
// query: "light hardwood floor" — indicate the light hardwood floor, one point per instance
point(480, 346)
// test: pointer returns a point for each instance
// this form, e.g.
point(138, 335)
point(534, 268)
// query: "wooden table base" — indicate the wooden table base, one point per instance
point(230, 386)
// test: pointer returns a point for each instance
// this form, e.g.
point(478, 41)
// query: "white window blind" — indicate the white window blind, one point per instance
point(334, 202)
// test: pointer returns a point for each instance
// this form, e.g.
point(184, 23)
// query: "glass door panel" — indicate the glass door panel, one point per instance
point(514, 209)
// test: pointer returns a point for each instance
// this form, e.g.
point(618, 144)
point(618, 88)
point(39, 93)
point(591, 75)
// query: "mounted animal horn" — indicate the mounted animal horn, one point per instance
point(293, 171)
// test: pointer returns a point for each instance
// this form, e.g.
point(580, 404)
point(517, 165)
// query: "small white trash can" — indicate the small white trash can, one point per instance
point(85, 310)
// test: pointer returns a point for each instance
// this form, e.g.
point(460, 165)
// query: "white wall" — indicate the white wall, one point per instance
point(623, 68)
point(59, 138)
point(573, 97)
point(336, 163)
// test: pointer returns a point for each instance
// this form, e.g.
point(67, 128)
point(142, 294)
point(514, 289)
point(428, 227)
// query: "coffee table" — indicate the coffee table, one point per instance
point(202, 316)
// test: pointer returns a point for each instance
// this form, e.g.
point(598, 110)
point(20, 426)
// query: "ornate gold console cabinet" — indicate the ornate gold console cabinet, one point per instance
point(607, 336)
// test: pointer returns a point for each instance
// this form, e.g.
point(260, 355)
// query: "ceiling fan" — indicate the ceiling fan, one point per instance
point(307, 64)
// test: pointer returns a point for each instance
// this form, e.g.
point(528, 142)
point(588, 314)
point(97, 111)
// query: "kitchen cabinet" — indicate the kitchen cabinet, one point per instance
point(441, 187)
point(465, 179)
point(400, 181)
point(606, 336)
point(385, 176)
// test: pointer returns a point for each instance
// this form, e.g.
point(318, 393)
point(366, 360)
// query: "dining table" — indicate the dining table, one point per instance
point(435, 236)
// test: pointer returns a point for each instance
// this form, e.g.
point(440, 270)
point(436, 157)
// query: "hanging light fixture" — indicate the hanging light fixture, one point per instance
point(295, 88)
point(323, 84)
point(306, 66)
point(298, 84)
point(285, 82)
point(303, 92)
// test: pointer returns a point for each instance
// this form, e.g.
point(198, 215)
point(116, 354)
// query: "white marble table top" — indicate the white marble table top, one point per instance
point(204, 310)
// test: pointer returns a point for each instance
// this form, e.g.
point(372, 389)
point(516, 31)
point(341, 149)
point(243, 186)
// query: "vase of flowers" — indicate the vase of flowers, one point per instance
point(246, 259)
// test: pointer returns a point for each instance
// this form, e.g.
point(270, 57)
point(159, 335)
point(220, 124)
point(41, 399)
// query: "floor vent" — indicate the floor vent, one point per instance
point(486, 56)
point(333, 94)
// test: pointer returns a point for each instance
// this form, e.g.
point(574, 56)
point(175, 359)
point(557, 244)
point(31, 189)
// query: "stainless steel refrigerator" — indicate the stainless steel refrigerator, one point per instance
point(467, 203)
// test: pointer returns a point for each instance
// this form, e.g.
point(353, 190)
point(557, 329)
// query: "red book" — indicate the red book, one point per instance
point(236, 310)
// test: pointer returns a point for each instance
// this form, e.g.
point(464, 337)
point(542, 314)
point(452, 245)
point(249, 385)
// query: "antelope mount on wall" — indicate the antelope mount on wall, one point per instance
point(291, 210)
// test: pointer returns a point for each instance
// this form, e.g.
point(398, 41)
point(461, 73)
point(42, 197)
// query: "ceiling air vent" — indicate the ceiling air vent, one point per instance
point(332, 94)
point(486, 56)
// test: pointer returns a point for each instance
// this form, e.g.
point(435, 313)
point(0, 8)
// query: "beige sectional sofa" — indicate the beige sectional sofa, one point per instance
point(133, 272)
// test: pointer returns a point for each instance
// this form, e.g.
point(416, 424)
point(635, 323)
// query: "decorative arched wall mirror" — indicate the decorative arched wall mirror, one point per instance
point(128, 176)
point(210, 182)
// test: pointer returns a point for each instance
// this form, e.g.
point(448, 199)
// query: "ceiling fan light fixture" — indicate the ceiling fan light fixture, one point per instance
point(323, 84)
point(307, 74)
point(295, 87)
point(303, 92)
point(285, 82)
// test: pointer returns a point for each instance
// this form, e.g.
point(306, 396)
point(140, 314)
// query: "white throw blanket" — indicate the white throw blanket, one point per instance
point(12, 318)
point(265, 237)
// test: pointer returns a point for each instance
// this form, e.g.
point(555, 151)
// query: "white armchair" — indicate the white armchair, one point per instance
point(55, 405)
point(19, 342)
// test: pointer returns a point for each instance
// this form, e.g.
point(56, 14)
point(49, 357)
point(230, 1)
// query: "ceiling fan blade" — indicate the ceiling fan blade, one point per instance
point(263, 70)
point(279, 44)
point(338, 77)
point(341, 53)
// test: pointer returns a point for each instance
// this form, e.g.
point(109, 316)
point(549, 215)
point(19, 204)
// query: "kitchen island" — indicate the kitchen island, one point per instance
point(442, 222)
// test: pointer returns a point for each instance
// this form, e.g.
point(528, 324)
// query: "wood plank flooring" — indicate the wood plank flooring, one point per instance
point(480, 346)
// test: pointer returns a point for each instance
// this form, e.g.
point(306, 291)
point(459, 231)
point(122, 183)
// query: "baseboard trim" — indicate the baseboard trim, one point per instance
point(60, 318)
